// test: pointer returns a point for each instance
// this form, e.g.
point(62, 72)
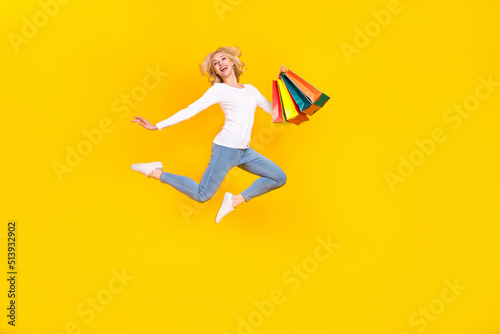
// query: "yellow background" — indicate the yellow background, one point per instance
point(397, 248)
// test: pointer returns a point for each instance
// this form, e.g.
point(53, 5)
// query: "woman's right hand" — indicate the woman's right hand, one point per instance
point(145, 123)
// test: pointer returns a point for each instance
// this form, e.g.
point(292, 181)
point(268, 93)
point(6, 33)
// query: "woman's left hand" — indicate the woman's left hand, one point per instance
point(282, 69)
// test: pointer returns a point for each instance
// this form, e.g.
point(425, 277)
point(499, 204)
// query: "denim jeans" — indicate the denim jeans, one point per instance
point(222, 160)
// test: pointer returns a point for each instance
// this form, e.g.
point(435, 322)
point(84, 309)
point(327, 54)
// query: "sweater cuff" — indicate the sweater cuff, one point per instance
point(269, 107)
point(158, 125)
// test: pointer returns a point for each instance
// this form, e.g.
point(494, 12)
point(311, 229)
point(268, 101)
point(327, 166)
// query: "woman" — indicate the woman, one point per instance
point(230, 147)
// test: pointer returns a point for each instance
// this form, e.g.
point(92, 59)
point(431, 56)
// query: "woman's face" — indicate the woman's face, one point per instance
point(222, 64)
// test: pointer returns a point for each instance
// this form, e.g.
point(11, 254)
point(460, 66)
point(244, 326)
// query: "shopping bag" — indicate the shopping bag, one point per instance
point(302, 101)
point(277, 110)
point(314, 95)
point(291, 111)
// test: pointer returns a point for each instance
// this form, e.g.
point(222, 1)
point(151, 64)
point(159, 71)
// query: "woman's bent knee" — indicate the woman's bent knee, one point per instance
point(203, 197)
point(281, 180)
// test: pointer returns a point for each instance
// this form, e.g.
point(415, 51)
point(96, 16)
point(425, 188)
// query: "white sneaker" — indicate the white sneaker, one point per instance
point(146, 168)
point(225, 208)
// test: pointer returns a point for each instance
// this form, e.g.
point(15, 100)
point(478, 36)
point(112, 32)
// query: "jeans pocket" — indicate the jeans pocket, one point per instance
point(215, 148)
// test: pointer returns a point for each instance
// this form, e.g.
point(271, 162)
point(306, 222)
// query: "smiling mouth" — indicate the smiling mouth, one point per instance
point(223, 69)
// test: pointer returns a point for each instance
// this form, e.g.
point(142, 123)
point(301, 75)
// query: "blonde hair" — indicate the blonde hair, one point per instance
point(233, 53)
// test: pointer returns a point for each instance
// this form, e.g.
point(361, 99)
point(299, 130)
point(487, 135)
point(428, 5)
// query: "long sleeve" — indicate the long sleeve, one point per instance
point(210, 97)
point(263, 103)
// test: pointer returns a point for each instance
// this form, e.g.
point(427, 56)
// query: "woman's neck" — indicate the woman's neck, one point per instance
point(231, 81)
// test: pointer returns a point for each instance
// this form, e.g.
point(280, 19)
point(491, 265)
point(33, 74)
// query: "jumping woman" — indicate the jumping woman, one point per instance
point(230, 147)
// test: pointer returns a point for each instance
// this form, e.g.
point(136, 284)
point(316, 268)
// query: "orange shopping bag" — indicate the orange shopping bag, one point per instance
point(316, 98)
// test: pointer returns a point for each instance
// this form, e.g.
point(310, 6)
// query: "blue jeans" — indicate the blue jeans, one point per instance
point(222, 160)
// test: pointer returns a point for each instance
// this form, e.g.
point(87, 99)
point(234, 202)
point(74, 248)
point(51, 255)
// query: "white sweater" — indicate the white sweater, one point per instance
point(238, 105)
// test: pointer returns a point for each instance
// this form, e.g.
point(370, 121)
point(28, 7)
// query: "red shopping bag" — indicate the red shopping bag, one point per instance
point(277, 105)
